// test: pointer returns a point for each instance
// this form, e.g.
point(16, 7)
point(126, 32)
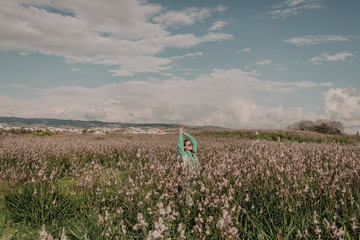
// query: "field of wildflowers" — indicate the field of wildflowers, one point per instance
point(128, 186)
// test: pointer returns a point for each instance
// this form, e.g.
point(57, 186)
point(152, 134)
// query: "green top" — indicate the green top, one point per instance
point(188, 157)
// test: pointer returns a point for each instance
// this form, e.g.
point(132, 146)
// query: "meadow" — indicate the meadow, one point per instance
point(251, 185)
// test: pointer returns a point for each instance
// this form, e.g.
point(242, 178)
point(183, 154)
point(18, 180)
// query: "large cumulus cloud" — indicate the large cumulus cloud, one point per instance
point(342, 105)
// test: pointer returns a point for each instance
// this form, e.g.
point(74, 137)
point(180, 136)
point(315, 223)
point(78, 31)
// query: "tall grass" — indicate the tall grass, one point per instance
point(124, 186)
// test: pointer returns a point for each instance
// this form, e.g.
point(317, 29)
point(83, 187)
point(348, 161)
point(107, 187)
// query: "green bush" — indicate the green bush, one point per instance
point(43, 133)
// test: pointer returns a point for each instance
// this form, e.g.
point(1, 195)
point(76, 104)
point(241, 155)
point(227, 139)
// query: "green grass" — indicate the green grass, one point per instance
point(283, 136)
point(43, 133)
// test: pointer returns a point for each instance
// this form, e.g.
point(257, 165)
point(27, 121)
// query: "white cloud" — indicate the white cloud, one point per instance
point(189, 55)
point(264, 62)
point(331, 58)
point(18, 86)
point(317, 39)
point(188, 40)
point(342, 105)
point(217, 25)
point(221, 8)
point(184, 17)
point(216, 37)
point(24, 53)
point(280, 68)
point(119, 33)
point(294, 7)
point(244, 50)
point(148, 64)
point(292, 3)
point(220, 98)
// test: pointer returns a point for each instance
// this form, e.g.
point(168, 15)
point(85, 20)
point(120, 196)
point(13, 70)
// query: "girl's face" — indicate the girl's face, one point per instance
point(188, 146)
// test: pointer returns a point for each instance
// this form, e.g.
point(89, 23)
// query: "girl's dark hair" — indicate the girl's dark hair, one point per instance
point(186, 140)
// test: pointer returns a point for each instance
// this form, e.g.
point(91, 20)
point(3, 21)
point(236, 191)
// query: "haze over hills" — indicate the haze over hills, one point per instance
point(61, 123)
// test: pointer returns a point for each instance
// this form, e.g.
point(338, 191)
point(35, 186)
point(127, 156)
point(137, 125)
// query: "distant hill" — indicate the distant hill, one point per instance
point(61, 123)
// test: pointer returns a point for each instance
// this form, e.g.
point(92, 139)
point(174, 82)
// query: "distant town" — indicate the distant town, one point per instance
point(99, 131)
point(37, 125)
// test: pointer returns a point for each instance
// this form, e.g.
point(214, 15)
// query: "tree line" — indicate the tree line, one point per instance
point(321, 126)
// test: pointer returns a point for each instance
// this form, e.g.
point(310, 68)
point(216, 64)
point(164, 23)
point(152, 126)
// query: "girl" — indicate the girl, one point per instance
point(187, 150)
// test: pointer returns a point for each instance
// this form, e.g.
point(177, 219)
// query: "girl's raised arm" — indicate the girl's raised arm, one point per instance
point(181, 142)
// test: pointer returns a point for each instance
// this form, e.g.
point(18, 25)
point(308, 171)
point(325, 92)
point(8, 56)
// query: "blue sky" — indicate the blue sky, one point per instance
point(238, 64)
